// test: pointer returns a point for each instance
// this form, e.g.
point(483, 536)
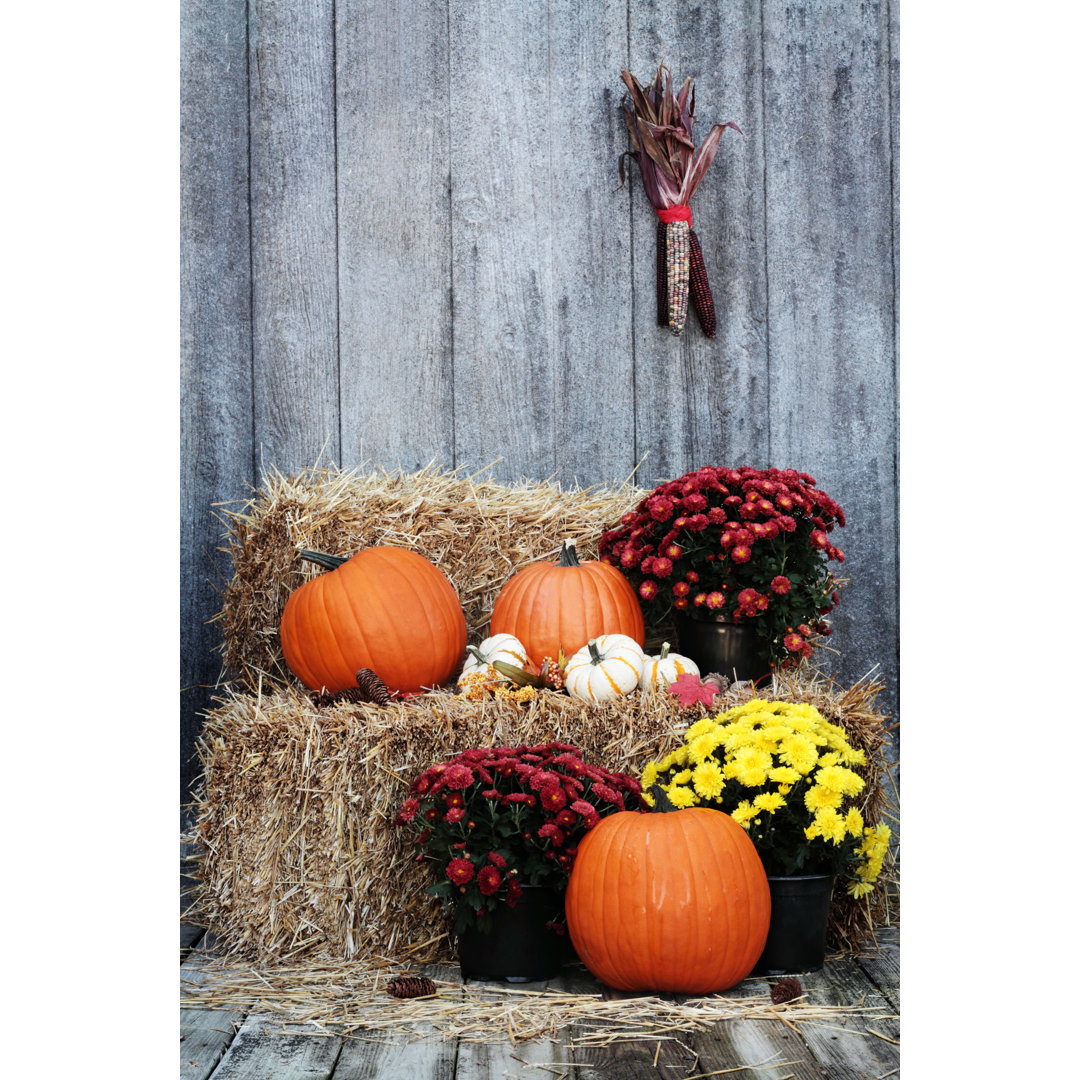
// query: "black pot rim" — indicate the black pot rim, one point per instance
point(710, 616)
point(799, 877)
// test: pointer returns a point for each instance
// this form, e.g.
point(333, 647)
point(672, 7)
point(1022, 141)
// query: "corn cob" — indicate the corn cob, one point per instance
point(700, 293)
point(660, 121)
point(678, 274)
point(661, 274)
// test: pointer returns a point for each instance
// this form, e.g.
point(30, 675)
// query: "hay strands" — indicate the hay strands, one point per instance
point(348, 1000)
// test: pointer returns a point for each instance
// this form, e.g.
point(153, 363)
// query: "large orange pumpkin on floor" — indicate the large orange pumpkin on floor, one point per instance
point(548, 606)
point(675, 902)
point(387, 608)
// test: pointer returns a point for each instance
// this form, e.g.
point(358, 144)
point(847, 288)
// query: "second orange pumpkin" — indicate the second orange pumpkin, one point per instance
point(551, 605)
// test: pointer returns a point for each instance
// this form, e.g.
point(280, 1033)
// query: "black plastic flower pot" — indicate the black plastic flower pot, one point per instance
point(520, 947)
point(800, 917)
point(718, 645)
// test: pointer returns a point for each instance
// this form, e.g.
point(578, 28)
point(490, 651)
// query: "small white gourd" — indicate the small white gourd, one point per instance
point(503, 647)
point(660, 671)
point(606, 668)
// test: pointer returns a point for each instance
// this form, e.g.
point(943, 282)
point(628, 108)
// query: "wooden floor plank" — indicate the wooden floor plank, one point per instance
point(882, 966)
point(756, 1046)
point(629, 1059)
point(422, 1055)
point(261, 1051)
point(856, 1046)
point(205, 1034)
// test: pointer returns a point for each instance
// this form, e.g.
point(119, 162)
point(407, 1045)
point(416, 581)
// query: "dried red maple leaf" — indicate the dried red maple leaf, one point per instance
point(690, 689)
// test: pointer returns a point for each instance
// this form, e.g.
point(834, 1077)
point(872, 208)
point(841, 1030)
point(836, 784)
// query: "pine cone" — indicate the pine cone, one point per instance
point(352, 696)
point(785, 990)
point(373, 686)
point(722, 681)
point(369, 689)
point(410, 986)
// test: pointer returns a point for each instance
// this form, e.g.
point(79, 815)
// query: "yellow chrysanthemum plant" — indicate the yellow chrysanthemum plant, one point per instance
point(787, 776)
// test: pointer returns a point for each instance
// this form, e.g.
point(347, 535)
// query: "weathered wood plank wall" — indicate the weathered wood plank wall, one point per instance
point(403, 239)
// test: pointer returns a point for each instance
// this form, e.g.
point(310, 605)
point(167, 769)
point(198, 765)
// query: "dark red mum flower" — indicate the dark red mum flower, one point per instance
point(460, 871)
point(780, 585)
point(489, 879)
point(458, 776)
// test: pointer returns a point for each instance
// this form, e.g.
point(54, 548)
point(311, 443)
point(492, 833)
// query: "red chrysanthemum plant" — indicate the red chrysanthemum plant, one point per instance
point(751, 544)
point(490, 821)
point(661, 125)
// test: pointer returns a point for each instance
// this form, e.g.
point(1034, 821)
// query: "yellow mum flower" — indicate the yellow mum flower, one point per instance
point(853, 822)
point(828, 759)
point(769, 801)
point(752, 766)
point(680, 796)
point(649, 775)
point(702, 746)
point(785, 774)
point(830, 825)
point(744, 814)
point(821, 798)
point(837, 778)
point(859, 889)
point(702, 727)
point(682, 776)
point(709, 780)
point(784, 789)
point(800, 753)
point(774, 733)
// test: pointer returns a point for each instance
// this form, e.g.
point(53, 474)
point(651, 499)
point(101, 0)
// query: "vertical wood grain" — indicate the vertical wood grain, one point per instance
point(592, 345)
point(503, 196)
point(215, 329)
point(832, 363)
point(294, 232)
point(702, 401)
point(393, 144)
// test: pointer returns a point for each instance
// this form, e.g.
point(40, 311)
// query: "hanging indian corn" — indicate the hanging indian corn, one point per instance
point(661, 126)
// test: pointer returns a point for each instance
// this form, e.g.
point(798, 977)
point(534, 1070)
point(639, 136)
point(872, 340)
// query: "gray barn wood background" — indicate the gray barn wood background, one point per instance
point(403, 239)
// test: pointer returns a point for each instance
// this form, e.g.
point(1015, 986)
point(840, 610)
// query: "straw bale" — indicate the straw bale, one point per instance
point(298, 856)
point(477, 531)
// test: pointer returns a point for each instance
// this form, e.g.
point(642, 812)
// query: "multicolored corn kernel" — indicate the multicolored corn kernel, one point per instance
point(678, 274)
point(661, 274)
point(700, 293)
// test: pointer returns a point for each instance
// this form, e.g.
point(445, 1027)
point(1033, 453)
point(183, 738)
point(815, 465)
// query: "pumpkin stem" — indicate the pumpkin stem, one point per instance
point(594, 652)
point(472, 649)
point(664, 650)
point(330, 562)
point(568, 555)
point(661, 804)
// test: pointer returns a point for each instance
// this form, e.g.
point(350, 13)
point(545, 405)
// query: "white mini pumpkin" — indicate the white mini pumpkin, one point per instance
point(503, 647)
point(609, 666)
point(660, 671)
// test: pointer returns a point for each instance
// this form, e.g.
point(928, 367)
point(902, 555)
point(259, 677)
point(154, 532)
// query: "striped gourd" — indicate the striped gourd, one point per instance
point(660, 671)
point(503, 647)
point(608, 667)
